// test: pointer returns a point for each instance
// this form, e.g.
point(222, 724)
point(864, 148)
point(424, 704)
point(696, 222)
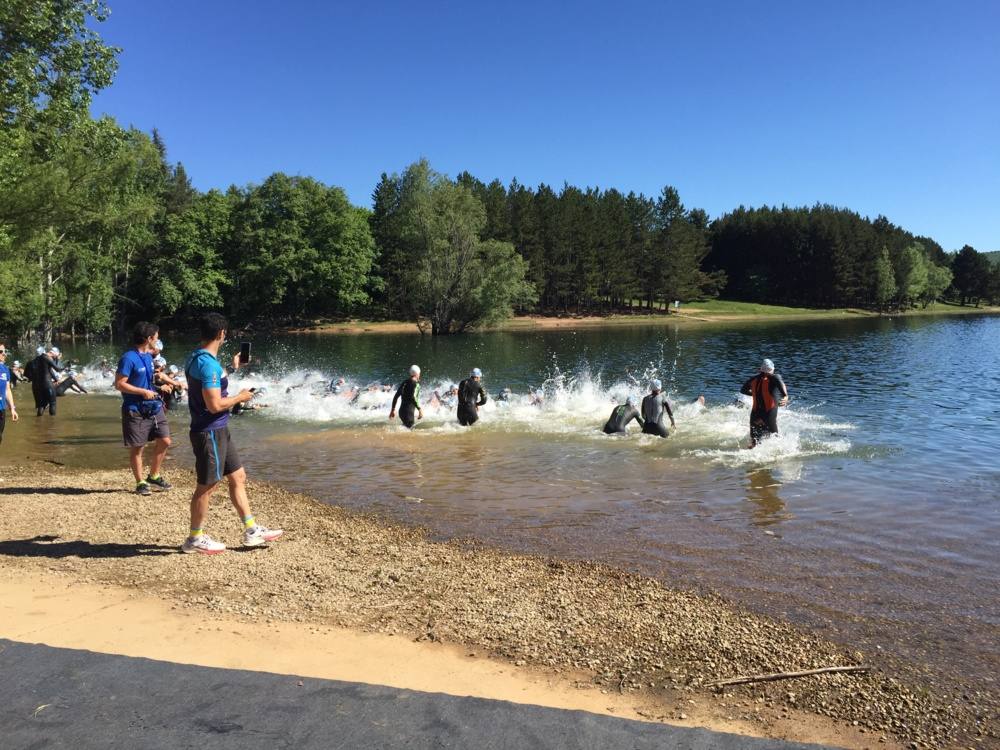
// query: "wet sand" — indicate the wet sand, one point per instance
point(630, 636)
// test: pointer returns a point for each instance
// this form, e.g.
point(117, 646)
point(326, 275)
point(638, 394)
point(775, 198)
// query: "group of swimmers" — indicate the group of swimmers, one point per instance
point(48, 376)
point(766, 390)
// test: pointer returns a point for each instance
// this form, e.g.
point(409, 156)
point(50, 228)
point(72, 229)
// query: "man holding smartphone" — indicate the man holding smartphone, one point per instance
point(215, 455)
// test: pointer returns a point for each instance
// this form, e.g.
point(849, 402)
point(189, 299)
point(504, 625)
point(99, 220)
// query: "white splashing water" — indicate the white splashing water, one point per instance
point(571, 405)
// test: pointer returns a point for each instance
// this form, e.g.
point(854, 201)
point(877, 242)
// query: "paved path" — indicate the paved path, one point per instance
point(64, 698)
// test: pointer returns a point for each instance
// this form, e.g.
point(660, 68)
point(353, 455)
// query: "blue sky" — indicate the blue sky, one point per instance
point(883, 107)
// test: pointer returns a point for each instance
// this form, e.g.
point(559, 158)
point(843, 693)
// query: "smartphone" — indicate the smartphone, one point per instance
point(244, 352)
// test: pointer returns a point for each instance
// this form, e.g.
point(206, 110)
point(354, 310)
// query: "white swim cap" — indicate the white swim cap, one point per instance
point(414, 369)
point(476, 372)
point(655, 385)
point(17, 363)
point(540, 393)
point(173, 369)
point(55, 350)
point(767, 366)
point(40, 350)
point(159, 345)
point(630, 401)
point(159, 361)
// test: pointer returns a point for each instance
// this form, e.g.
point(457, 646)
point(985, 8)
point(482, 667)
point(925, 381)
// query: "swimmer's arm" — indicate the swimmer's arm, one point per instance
point(395, 399)
point(784, 388)
point(747, 389)
point(10, 400)
point(670, 413)
point(482, 396)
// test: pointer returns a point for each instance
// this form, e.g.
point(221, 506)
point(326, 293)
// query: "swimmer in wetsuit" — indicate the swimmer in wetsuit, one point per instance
point(409, 393)
point(654, 406)
point(470, 397)
point(618, 422)
point(768, 391)
point(43, 372)
point(68, 383)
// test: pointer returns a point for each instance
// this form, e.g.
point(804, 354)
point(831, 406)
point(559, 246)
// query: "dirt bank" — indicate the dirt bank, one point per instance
point(629, 635)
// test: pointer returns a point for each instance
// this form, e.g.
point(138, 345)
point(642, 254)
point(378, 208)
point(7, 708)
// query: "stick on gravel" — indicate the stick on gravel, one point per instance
point(784, 675)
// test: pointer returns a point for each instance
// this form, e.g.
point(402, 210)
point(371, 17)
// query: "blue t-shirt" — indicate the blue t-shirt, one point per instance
point(204, 371)
point(137, 367)
point(4, 382)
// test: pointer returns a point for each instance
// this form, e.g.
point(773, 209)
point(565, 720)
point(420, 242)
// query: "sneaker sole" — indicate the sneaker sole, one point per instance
point(197, 551)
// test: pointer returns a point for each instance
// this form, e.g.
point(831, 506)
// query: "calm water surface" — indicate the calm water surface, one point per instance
point(874, 517)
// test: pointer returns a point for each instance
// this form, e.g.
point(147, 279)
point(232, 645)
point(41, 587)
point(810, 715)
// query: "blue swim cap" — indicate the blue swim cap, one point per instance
point(476, 372)
point(655, 385)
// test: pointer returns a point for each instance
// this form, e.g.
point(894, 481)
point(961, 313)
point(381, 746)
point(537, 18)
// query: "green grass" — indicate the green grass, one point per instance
point(728, 307)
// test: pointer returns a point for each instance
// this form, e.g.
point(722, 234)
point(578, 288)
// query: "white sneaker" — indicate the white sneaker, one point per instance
point(203, 545)
point(257, 535)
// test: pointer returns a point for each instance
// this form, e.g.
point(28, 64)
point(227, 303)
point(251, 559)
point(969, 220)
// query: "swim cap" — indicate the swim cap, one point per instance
point(767, 366)
point(17, 363)
point(414, 369)
point(159, 361)
point(630, 401)
point(55, 350)
point(173, 369)
point(655, 385)
point(159, 345)
point(540, 393)
point(40, 350)
point(476, 372)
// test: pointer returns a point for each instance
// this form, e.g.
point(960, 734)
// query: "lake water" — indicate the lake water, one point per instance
point(874, 517)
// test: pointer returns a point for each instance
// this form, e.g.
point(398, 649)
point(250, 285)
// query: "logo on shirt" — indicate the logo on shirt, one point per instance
point(215, 378)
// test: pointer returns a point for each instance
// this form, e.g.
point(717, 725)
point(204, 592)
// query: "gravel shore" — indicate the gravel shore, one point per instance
point(627, 632)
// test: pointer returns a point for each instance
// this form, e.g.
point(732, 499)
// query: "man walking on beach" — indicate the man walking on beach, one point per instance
point(6, 392)
point(143, 417)
point(409, 393)
point(654, 406)
point(215, 455)
point(470, 397)
point(768, 391)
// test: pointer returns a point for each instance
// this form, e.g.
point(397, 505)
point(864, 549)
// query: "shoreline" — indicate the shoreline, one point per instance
point(628, 635)
point(692, 315)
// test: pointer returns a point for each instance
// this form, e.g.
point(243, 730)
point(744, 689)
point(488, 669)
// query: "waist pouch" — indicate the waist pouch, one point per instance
point(148, 409)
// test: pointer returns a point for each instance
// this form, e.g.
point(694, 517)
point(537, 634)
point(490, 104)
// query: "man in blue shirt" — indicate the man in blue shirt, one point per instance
point(6, 394)
point(143, 417)
point(215, 455)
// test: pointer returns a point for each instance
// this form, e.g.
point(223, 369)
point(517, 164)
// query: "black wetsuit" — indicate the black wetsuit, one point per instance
point(470, 397)
point(43, 372)
point(409, 392)
point(766, 389)
point(66, 384)
point(619, 420)
point(654, 406)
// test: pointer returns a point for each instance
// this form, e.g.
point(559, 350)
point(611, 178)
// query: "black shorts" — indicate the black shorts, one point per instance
point(406, 416)
point(655, 428)
point(215, 456)
point(467, 415)
point(3, 422)
point(138, 430)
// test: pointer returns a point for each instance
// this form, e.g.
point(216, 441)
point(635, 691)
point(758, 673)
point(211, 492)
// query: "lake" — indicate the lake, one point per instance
point(874, 517)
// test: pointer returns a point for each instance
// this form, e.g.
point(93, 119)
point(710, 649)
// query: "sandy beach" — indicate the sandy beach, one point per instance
point(572, 634)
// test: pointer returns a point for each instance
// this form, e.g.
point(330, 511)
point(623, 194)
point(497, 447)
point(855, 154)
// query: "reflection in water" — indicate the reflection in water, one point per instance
point(762, 491)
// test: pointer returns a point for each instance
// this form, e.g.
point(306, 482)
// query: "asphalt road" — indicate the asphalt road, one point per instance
point(65, 698)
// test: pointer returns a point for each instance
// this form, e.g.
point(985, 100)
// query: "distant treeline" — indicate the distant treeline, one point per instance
point(98, 228)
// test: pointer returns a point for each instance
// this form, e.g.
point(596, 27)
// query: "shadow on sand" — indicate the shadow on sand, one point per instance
point(50, 546)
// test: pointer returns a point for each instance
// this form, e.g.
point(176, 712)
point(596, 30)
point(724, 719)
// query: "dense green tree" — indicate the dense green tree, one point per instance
point(971, 272)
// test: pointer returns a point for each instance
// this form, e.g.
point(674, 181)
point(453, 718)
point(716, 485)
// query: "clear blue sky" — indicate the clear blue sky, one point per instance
point(883, 107)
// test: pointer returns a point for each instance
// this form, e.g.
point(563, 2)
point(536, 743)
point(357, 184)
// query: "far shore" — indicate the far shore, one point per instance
point(712, 312)
point(574, 634)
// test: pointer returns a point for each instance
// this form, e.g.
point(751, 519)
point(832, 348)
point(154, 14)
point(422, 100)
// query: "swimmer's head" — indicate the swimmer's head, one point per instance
point(415, 371)
point(40, 350)
point(159, 362)
point(655, 385)
point(159, 345)
point(173, 369)
point(476, 372)
point(54, 350)
point(17, 363)
point(767, 366)
point(630, 401)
